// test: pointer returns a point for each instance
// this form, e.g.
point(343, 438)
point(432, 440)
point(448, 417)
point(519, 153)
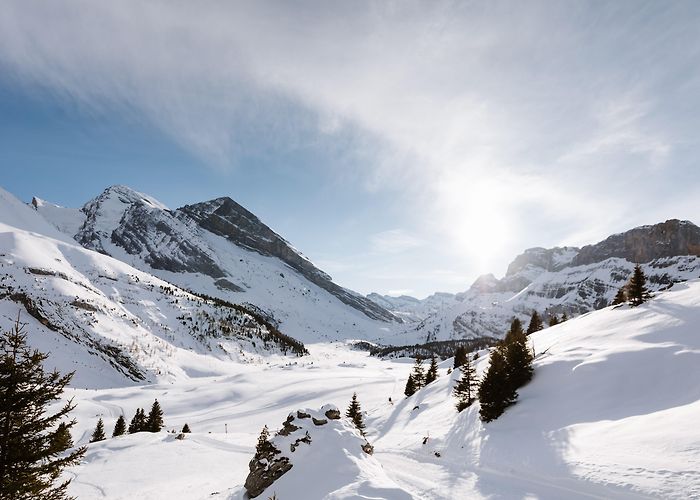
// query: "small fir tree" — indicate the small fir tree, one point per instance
point(154, 422)
point(119, 427)
point(418, 374)
point(564, 317)
point(62, 439)
point(460, 356)
point(432, 373)
point(354, 413)
point(637, 292)
point(138, 423)
point(620, 297)
point(466, 388)
point(186, 429)
point(99, 433)
point(265, 448)
point(410, 389)
point(535, 323)
point(495, 393)
point(553, 320)
point(518, 359)
point(33, 443)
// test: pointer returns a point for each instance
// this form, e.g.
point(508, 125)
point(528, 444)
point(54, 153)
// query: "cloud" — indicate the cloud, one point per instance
point(497, 124)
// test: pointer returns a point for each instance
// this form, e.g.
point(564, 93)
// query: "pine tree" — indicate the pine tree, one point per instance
point(518, 359)
point(62, 440)
point(265, 448)
point(564, 317)
point(620, 297)
point(99, 433)
point(354, 413)
point(418, 374)
point(553, 320)
point(516, 329)
point(33, 444)
point(637, 292)
point(410, 389)
point(535, 323)
point(495, 393)
point(138, 423)
point(154, 422)
point(460, 356)
point(119, 427)
point(466, 388)
point(432, 373)
point(186, 429)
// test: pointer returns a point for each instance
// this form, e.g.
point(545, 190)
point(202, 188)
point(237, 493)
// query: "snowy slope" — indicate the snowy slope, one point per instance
point(111, 323)
point(611, 413)
point(220, 249)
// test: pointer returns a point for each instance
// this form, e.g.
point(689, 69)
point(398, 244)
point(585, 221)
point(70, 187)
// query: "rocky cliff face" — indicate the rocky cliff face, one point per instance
point(645, 243)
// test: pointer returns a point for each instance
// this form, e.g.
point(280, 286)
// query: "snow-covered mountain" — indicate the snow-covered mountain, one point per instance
point(221, 249)
point(111, 323)
point(555, 281)
point(413, 309)
point(611, 413)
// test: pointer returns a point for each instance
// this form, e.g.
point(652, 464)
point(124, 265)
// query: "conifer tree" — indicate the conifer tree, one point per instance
point(354, 413)
point(62, 440)
point(154, 422)
point(516, 329)
point(119, 427)
point(460, 356)
point(495, 393)
point(620, 297)
point(138, 423)
point(466, 388)
point(553, 320)
point(265, 448)
point(418, 374)
point(33, 443)
point(410, 389)
point(637, 292)
point(564, 317)
point(432, 373)
point(535, 323)
point(99, 433)
point(186, 429)
point(518, 358)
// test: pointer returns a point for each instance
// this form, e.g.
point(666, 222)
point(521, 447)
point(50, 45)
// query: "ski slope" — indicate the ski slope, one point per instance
point(612, 412)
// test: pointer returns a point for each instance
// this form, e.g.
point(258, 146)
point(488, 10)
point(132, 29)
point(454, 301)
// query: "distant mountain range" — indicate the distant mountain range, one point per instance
point(551, 281)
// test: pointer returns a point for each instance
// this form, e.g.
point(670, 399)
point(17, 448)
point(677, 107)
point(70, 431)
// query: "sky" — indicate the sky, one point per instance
point(404, 147)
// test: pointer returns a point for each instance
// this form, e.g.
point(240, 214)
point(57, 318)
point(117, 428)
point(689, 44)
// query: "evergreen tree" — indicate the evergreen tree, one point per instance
point(516, 330)
point(518, 358)
point(138, 423)
point(432, 373)
point(564, 317)
point(465, 390)
point(495, 393)
point(460, 356)
point(410, 389)
point(154, 423)
point(418, 374)
point(553, 320)
point(535, 323)
point(620, 297)
point(637, 292)
point(33, 443)
point(354, 413)
point(265, 448)
point(62, 440)
point(186, 429)
point(119, 427)
point(99, 433)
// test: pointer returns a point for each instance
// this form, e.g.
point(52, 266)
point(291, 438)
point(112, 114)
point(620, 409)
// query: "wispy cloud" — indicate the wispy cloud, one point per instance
point(499, 124)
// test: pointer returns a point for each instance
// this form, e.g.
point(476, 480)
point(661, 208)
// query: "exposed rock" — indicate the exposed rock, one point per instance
point(301, 414)
point(368, 448)
point(332, 414)
point(645, 243)
point(319, 421)
point(264, 472)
